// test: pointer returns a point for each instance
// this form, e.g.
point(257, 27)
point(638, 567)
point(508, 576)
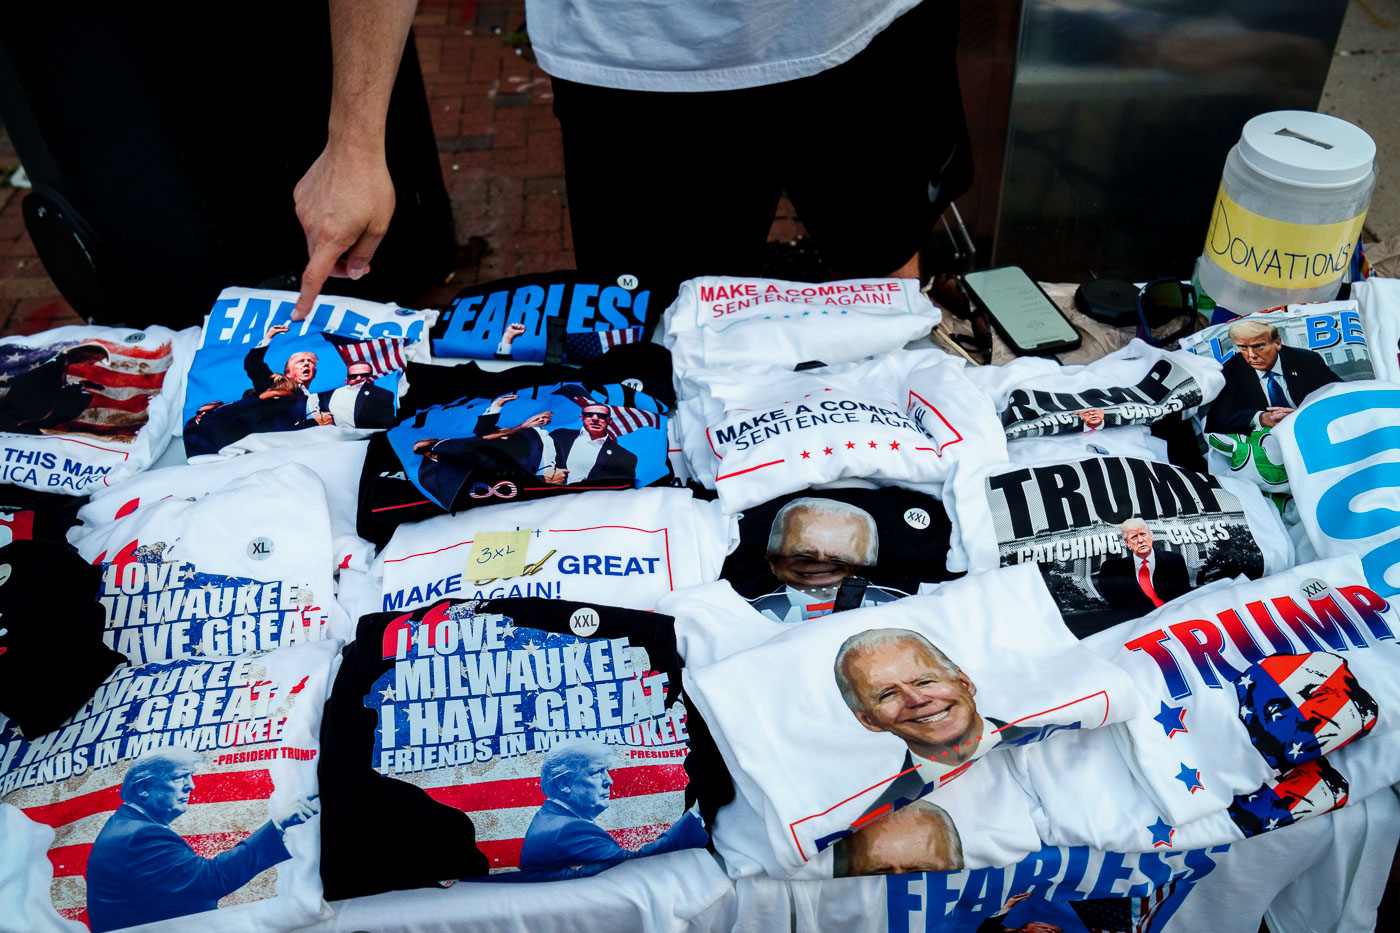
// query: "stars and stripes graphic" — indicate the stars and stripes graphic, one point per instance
point(385, 355)
point(502, 793)
point(581, 348)
point(224, 809)
point(120, 380)
point(228, 803)
point(1123, 914)
point(625, 419)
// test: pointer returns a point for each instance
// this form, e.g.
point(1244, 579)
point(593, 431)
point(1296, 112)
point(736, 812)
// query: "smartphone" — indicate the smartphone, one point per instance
point(1022, 313)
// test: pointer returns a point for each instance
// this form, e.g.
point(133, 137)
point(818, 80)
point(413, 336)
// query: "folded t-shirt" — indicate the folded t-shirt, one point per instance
point(83, 408)
point(245, 568)
point(260, 379)
point(1088, 524)
point(1251, 679)
point(181, 789)
point(564, 316)
point(388, 494)
point(534, 442)
point(1317, 344)
point(927, 685)
point(723, 321)
point(26, 515)
point(903, 419)
point(797, 550)
point(338, 464)
point(617, 548)
point(541, 738)
point(52, 655)
point(1136, 385)
point(1342, 451)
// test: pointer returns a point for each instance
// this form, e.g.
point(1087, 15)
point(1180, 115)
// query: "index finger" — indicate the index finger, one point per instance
point(318, 269)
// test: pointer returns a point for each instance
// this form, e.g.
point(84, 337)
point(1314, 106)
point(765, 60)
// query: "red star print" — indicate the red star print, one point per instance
point(873, 445)
point(894, 445)
point(827, 451)
point(850, 446)
point(806, 455)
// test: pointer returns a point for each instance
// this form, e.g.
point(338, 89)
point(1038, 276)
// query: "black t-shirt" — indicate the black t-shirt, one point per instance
point(564, 316)
point(439, 725)
point(487, 459)
point(826, 538)
point(52, 656)
point(26, 515)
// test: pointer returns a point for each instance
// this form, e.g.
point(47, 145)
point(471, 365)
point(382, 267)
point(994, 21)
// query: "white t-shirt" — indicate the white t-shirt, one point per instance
point(251, 388)
point(1253, 678)
point(1378, 300)
point(255, 722)
point(1342, 452)
point(1027, 686)
point(767, 324)
point(1136, 385)
point(902, 419)
point(83, 408)
point(338, 464)
point(1322, 874)
point(245, 568)
point(643, 46)
point(1066, 518)
point(677, 892)
point(619, 548)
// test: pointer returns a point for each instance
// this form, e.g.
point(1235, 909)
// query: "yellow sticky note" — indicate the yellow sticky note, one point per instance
point(498, 554)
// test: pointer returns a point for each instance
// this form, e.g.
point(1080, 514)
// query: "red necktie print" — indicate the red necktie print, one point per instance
point(1145, 581)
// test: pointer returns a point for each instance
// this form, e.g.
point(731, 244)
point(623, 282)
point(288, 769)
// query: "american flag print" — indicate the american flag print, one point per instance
point(581, 348)
point(71, 779)
point(625, 418)
point(385, 355)
point(1123, 914)
point(462, 748)
point(120, 387)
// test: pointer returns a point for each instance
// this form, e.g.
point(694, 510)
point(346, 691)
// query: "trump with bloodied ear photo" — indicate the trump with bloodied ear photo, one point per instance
point(533, 442)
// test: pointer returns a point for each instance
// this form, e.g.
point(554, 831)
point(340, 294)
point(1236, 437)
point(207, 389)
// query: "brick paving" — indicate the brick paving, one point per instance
point(498, 145)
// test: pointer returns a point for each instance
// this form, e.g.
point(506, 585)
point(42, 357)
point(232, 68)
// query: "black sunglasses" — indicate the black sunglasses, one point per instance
point(1158, 303)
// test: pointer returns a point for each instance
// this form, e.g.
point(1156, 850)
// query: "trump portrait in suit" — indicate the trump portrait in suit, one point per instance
point(1144, 578)
point(1264, 381)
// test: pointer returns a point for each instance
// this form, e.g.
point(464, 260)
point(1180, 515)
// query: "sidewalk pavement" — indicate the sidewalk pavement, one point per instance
point(499, 148)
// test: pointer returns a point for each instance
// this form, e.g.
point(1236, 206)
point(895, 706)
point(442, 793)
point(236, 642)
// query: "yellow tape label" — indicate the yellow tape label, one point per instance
point(1275, 253)
point(499, 554)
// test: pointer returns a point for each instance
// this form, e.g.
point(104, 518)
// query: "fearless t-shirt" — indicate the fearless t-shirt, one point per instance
point(260, 379)
point(562, 317)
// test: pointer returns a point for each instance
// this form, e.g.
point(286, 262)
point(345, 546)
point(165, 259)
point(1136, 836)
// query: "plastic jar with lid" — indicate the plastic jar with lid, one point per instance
point(1287, 217)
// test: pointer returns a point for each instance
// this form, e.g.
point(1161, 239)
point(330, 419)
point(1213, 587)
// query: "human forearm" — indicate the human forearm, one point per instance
point(367, 42)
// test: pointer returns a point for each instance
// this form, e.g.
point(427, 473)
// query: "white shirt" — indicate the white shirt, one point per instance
point(934, 772)
point(342, 404)
point(1263, 376)
point(583, 455)
point(642, 45)
point(1150, 560)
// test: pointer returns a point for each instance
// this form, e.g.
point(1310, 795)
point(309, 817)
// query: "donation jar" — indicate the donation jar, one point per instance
point(1288, 215)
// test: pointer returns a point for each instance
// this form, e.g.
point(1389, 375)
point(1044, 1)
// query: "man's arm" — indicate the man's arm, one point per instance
point(163, 863)
point(346, 199)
